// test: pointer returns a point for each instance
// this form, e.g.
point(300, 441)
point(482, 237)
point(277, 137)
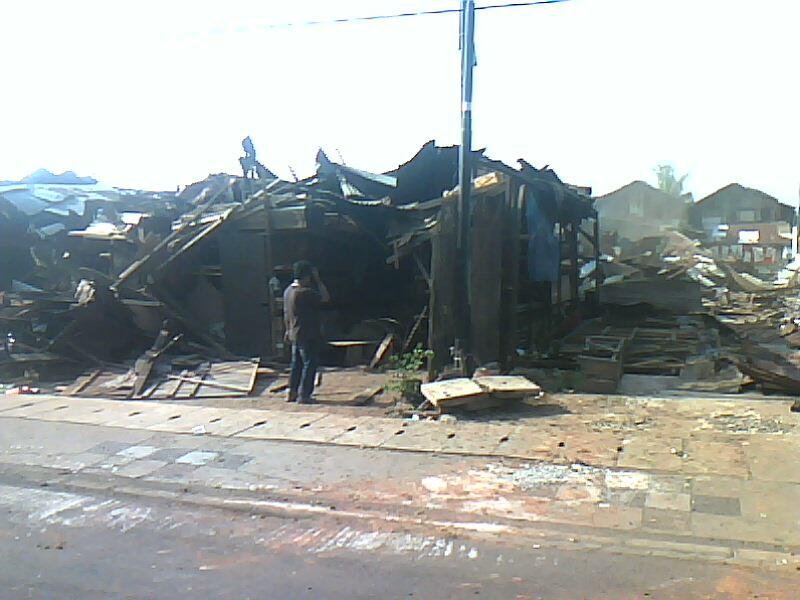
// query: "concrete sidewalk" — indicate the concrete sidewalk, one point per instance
point(708, 480)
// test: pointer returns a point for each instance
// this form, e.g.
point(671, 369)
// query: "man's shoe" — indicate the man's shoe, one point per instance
point(291, 397)
point(301, 400)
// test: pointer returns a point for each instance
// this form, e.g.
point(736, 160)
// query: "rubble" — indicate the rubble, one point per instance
point(212, 258)
point(81, 260)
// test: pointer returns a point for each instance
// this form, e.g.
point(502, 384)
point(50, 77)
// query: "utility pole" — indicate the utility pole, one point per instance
point(465, 168)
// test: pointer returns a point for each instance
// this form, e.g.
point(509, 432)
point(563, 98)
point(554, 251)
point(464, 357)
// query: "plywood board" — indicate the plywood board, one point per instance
point(451, 391)
point(508, 384)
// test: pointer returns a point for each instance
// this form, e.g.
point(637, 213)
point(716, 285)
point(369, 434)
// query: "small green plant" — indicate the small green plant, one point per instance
point(406, 377)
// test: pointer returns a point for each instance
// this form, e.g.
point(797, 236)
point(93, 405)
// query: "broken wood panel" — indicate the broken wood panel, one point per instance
point(166, 389)
point(247, 328)
point(229, 378)
point(485, 273)
point(442, 326)
point(515, 385)
point(188, 390)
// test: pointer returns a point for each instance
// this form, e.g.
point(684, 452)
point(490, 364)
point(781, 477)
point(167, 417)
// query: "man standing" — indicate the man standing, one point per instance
point(301, 303)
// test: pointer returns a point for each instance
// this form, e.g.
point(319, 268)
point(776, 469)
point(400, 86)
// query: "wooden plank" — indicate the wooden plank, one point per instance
point(382, 351)
point(452, 391)
point(441, 326)
point(515, 385)
point(187, 390)
point(81, 383)
point(413, 333)
point(366, 396)
point(168, 240)
point(572, 244)
point(273, 336)
point(485, 277)
point(208, 383)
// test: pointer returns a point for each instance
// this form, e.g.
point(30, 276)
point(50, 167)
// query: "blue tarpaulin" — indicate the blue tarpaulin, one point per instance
point(544, 255)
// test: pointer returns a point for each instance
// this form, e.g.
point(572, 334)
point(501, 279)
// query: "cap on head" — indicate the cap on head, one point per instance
point(303, 269)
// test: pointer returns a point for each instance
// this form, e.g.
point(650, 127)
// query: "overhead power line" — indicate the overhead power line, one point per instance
point(443, 11)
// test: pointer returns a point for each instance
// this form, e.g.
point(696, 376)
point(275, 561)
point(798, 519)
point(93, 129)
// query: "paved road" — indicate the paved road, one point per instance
point(61, 544)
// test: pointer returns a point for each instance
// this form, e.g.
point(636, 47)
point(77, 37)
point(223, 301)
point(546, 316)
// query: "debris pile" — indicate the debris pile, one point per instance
point(672, 309)
point(155, 295)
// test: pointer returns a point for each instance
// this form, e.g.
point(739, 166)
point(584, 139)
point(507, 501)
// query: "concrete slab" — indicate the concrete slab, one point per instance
point(477, 438)
point(667, 521)
point(29, 410)
point(652, 454)
point(367, 432)
point(71, 411)
point(139, 415)
point(773, 460)
point(186, 418)
point(526, 442)
point(421, 436)
point(668, 501)
point(326, 429)
point(140, 468)
point(236, 421)
point(136, 452)
point(715, 457)
point(281, 426)
point(9, 402)
point(198, 458)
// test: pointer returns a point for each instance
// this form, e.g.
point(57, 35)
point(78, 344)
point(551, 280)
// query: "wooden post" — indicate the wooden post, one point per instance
point(560, 263)
point(486, 276)
point(269, 267)
point(512, 248)
point(598, 276)
point(442, 321)
point(573, 263)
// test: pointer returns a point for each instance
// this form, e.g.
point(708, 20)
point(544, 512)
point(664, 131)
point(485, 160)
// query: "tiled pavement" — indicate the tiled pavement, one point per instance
point(716, 479)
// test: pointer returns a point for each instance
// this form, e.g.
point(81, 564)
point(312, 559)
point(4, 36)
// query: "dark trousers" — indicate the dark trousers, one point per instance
point(305, 359)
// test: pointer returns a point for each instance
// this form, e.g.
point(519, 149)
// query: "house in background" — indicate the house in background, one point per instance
point(638, 210)
point(746, 225)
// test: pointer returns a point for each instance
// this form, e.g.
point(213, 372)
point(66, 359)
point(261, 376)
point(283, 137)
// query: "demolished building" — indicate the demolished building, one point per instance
point(212, 259)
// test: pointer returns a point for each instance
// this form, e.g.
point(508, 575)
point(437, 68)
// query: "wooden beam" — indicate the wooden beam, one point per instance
point(139, 264)
point(486, 275)
point(589, 238)
point(412, 334)
point(425, 274)
point(208, 383)
point(442, 326)
point(573, 256)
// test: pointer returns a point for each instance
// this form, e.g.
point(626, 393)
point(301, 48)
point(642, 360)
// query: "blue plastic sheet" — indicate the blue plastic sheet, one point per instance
point(544, 253)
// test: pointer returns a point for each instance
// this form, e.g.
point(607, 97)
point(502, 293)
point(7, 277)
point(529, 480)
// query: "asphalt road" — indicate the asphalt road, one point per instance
point(62, 545)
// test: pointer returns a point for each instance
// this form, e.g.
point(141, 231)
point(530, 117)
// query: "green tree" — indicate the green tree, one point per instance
point(668, 182)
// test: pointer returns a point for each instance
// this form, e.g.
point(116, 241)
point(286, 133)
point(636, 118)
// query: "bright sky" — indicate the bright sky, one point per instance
point(154, 94)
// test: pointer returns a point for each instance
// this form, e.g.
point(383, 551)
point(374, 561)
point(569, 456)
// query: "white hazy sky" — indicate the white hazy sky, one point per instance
point(154, 94)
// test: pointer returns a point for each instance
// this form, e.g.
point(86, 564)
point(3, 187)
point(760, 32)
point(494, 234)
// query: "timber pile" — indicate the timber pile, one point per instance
point(675, 276)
